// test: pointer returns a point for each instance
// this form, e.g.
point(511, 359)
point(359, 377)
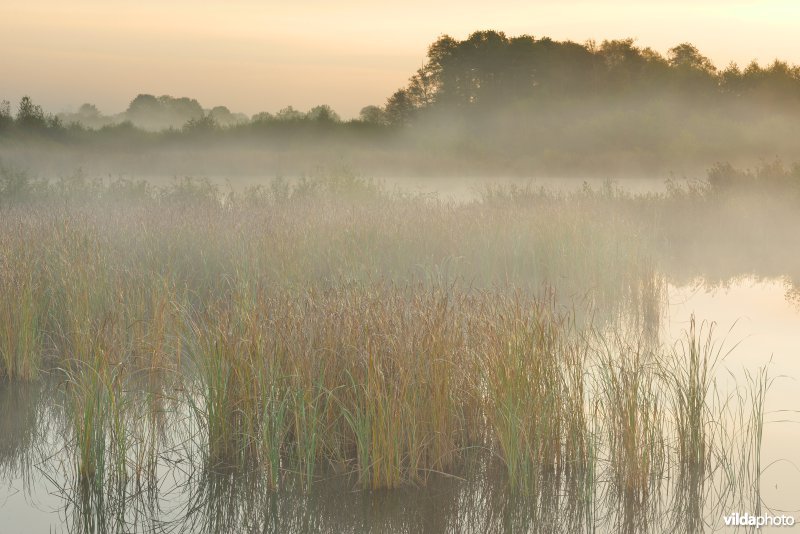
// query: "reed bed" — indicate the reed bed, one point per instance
point(335, 329)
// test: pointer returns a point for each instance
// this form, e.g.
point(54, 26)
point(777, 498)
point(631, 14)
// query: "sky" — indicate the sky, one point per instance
point(254, 56)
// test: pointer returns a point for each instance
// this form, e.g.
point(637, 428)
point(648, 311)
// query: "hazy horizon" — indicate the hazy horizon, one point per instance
point(263, 56)
point(501, 267)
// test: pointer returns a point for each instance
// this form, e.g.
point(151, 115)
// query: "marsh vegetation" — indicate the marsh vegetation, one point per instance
point(327, 354)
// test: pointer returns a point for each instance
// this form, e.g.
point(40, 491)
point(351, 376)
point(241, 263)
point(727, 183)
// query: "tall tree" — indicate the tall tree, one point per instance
point(30, 116)
point(399, 108)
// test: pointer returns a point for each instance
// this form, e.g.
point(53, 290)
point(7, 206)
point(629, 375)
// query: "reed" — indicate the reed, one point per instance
point(634, 419)
point(22, 311)
point(97, 406)
point(333, 328)
point(535, 391)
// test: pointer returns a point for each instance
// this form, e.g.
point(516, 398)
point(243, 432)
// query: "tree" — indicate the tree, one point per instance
point(146, 111)
point(629, 68)
point(372, 115)
point(687, 56)
point(30, 116)
point(88, 115)
point(323, 113)
point(263, 116)
point(773, 86)
point(692, 72)
point(289, 114)
point(144, 104)
point(89, 112)
point(731, 80)
point(181, 109)
point(201, 125)
point(441, 70)
point(165, 111)
point(422, 88)
point(399, 108)
point(223, 116)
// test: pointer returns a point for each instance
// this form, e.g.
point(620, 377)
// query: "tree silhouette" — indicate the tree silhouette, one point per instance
point(30, 116)
point(372, 115)
point(162, 112)
point(400, 108)
point(323, 113)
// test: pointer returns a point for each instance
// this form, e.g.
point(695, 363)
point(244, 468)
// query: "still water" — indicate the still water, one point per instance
point(760, 322)
point(756, 321)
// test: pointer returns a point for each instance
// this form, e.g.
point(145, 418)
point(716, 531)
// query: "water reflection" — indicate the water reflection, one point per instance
point(20, 423)
point(190, 497)
point(238, 502)
point(170, 489)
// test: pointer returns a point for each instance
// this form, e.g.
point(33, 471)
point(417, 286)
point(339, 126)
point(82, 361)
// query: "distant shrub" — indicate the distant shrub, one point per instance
point(768, 178)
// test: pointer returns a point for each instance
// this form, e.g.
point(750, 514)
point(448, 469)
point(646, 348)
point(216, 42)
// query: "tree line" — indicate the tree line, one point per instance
point(531, 102)
point(489, 70)
point(482, 73)
point(150, 113)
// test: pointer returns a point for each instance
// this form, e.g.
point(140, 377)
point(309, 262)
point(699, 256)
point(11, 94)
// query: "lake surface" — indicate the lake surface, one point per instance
point(758, 319)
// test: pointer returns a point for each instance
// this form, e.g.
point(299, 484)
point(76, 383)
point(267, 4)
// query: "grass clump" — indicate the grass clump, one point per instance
point(328, 328)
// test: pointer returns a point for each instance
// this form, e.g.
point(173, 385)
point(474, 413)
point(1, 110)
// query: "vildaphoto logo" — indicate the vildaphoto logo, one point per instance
point(748, 520)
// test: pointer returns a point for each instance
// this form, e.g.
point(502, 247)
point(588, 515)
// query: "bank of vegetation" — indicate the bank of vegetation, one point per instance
point(489, 104)
point(329, 328)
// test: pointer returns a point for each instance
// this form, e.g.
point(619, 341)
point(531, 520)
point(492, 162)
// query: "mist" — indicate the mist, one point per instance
point(490, 105)
point(542, 286)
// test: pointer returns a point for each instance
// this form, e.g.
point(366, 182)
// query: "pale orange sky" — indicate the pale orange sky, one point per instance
point(261, 56)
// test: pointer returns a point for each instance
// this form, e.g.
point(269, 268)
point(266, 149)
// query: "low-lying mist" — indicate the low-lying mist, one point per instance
point(489, 105)
point(586, 140)
point(211, 322)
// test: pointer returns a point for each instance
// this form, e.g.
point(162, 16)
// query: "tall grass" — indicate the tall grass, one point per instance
point(332, 328)
point(21, 325)
point(634, 429)
point(535, 379)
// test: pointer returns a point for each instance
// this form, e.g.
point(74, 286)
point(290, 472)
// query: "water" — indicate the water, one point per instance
point(761, 323)
point(758, 319)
